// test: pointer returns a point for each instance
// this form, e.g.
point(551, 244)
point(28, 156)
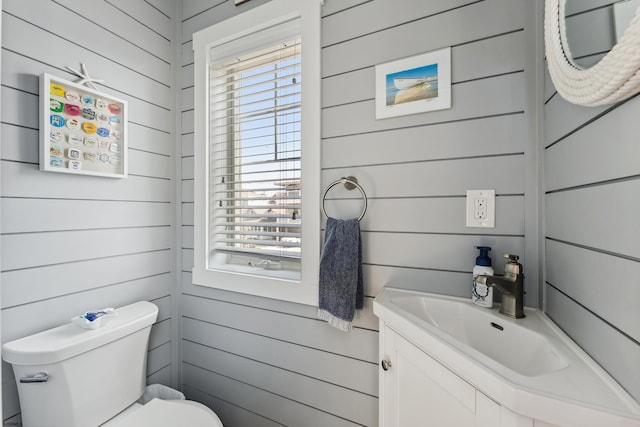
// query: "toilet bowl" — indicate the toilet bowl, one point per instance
point(74, 377)
point(166, 413)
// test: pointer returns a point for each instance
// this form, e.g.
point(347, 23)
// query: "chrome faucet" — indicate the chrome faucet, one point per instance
point(510, 285)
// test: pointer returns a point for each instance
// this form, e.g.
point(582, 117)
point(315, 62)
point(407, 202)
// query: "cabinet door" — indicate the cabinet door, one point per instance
point(488, 412)
point(418, 391)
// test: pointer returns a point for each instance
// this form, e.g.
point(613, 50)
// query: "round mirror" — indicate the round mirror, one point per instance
point(588, 78)
point(592, 26)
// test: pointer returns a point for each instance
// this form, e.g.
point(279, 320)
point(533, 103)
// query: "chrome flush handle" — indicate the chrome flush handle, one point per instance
point(40, 377)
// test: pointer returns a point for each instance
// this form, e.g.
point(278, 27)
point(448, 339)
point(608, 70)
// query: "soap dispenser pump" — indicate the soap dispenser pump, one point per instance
point(482, 294)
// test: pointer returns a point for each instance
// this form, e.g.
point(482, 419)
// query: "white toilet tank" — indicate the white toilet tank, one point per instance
point(91, 374)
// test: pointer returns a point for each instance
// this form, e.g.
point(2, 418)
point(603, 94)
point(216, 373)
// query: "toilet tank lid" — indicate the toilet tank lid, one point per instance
point(61, 343)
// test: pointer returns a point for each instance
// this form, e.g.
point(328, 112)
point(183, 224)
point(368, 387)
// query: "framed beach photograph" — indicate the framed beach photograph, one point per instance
point(82, 131)
point(414, 85)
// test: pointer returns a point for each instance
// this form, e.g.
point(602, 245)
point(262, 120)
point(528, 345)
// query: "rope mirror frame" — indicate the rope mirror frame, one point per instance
point(614, 78)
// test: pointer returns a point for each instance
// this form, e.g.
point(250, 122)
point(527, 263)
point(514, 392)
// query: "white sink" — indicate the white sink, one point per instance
point(528, 365)
point(512, 344)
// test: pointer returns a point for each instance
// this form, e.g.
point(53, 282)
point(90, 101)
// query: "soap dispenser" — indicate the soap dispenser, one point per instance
point(482, 294)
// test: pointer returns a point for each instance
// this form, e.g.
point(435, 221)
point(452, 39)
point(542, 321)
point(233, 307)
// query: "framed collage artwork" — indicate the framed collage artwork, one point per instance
point(82, 131)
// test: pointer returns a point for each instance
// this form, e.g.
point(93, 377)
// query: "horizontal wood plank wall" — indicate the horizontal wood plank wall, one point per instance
point(73, 243)
point(263, 362)
point(592, 178)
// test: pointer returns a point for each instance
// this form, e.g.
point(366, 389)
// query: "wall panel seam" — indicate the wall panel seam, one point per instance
point(411, 21)
point(337, 12)
point(202, 11)
point(139, 22)
point(154, 7)
point(594, 249)
point(87, 200)
point(409, 162)
point(152, 128)
point(271, 365)
point(510, 113)
point(270, 392)
point(441, 270)
point(97, 24)
point(80, 230)
point(229, 403)
point(438, 233)
point(19, 89)
point(588, 122)
point(19, 126)
point(417, 197)
point(492, 36)
point(140, 150)
point(489, 76)
point(275, 338)
point(596, 315)
point(158, 370)
point(594, 184)
point(89, 259)
point(142, 74)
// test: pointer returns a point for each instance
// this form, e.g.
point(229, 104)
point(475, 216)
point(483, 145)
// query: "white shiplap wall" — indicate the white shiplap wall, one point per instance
point(262, 362)
point(72, 243)
point(592, 183)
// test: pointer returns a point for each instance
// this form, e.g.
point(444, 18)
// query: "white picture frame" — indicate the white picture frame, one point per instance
point(413, 85)
point(82, 131)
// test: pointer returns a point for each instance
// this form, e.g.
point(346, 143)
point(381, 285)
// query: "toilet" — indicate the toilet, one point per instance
point(74, 377)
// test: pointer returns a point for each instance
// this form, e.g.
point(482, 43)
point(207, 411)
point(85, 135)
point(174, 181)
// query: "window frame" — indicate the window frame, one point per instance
point(246, 280)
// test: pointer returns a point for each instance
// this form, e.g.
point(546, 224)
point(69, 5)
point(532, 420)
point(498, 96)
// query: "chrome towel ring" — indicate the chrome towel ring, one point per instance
point(349, 183)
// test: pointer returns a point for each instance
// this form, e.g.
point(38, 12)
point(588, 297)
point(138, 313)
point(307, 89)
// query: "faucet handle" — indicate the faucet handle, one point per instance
point(513, 266)
point(513, 258)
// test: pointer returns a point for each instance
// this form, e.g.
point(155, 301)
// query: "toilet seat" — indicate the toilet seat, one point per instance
point(167, 413)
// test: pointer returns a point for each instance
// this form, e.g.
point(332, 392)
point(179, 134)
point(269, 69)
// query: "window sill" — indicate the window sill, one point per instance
point(275, 274)
point(270, 283)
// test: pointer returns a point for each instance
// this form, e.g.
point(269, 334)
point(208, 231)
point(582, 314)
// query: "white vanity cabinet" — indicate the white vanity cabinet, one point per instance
point(417, 390)
point(445, 362)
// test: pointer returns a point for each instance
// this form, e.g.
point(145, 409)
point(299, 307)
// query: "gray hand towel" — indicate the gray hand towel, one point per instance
point(340, 289)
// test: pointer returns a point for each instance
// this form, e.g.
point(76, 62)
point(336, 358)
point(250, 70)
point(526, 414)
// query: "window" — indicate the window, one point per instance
point(257, 151)
point(255, 141)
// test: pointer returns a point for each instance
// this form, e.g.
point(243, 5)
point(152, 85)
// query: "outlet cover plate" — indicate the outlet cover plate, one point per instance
point(481, 208)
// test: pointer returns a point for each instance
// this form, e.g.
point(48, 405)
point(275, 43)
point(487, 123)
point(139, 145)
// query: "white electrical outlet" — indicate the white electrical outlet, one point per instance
point(481, 208)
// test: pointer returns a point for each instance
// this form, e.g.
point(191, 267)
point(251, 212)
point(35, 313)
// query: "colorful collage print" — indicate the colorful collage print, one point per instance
point(85, 131)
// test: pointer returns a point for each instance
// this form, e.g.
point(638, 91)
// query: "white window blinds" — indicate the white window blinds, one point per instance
point(255, 147)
